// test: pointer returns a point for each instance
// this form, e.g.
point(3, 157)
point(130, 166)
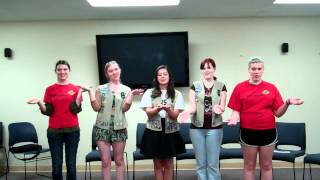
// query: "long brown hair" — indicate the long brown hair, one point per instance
point(156, 86)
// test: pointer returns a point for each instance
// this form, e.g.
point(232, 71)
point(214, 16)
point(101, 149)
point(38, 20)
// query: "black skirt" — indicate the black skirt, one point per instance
point(158, 144)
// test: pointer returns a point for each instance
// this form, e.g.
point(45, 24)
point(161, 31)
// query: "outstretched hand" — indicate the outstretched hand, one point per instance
point(295, 101)
point(33, 101)
point(232, 122)
point(85, 88)
point(234, 118)
point(217, 109)
point(184, 116)
point(137, 92)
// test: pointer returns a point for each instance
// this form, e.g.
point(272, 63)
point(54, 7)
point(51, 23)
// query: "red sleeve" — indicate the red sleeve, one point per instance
point(278, 101)
point(47, 97)
point(234, 102)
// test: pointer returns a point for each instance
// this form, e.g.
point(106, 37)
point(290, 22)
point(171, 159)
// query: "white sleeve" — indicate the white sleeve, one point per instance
point(179, 102)
point(146, 99)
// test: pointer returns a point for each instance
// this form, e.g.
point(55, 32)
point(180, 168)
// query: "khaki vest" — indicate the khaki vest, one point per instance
point(155, 122)
point(104, 115)
point(198, 118)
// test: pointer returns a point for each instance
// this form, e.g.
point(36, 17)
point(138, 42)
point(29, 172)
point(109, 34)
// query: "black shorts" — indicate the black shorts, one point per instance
point(252, 137)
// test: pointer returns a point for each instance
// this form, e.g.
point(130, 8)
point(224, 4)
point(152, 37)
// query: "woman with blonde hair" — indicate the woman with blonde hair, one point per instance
point(111, 101)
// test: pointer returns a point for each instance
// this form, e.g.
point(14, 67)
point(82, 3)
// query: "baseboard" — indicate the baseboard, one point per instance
point(149, 167)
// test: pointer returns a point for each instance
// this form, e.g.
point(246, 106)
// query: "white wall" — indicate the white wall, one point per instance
point(230, 41)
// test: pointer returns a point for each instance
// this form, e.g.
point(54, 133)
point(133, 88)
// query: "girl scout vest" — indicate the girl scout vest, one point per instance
point(104, 115)
point(154, 123)
point(198, 118)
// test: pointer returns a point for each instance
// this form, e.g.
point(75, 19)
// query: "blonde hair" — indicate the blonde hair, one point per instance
point(253, 60)
point(107, 65)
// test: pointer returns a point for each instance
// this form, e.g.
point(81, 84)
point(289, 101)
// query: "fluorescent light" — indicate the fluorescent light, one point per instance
point(296, 2)
point(124, 3)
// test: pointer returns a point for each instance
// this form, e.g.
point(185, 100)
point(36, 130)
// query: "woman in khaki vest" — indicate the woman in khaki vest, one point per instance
point(207, 99)
point(111, 101)
point(161, 140)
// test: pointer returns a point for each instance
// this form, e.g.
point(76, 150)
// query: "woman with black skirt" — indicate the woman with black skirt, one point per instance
point(161, 140)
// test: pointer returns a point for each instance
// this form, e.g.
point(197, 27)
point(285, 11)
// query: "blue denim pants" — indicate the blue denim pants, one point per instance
point(206, 143)
point(56, 141)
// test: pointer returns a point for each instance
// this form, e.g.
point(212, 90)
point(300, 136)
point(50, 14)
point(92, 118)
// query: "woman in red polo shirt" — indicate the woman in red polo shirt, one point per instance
point(256, 103)
point(62, 102)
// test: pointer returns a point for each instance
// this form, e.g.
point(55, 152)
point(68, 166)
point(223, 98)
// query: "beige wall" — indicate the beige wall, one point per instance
point(230, 41)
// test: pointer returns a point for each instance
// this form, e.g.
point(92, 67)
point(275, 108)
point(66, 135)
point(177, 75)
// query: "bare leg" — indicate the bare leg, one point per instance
point(250, 159)
point(118, 149)
point(158, 168)
point(168, 168)
point(265, 161)
point(104, 148)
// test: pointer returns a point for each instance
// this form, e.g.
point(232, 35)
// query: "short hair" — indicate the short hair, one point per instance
point(253, 60)
point(64, 62)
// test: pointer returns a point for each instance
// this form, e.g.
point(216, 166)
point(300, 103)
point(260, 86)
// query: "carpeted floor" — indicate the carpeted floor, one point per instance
point(279, 174)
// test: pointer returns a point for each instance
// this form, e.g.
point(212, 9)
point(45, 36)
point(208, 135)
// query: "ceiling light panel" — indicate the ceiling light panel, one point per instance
point(296, 2)
point(130, 3)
